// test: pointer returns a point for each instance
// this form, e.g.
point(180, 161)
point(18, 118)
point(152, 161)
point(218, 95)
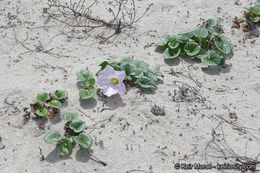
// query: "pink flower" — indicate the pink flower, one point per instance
point(111, 81)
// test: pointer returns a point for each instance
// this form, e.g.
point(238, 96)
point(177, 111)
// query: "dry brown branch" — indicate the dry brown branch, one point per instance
point(80, 15)
point(224, 151)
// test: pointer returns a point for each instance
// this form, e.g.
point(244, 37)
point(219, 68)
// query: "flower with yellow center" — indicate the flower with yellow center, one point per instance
point(111, 81)
point(114, 81)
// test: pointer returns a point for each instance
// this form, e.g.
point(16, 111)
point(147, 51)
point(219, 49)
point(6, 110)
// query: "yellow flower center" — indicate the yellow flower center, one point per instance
point(114, 81)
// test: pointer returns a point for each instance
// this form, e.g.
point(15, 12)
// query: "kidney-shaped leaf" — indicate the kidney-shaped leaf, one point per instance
point(202, 53)
point(84, 75)
point(60, 94)
point(129, 68)
point(173, 44)
point(213, 59)
point(156, 72)
point(146, 82)
point(86, 93)
point(43, 97)
point(66, 147)
point(70, 116)
point(212, 22)
point(42, 112)
point(151, 75)
point(170, 37)
point(254, 10)
point(141, 65)
point(171, 53)
point(222, 46)
point(200, 33)
point(90, 82)
point(254, 19)
point(55, 104)
point(184, 37)
point(84, 140)
point(162, 43)
point(192, 48)
point(53, 136)
point(77, 126)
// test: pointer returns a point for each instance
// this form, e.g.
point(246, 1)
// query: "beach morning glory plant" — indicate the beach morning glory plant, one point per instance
point(111, 81)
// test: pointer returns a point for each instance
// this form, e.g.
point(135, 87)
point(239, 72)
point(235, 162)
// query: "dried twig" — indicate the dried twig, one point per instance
point(11, 104)
point(103, 123)
point(219, 145)
point(80, 15)
point(42, 156)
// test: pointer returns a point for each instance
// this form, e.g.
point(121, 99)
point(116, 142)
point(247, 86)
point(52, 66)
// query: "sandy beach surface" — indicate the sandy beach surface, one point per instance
point(219, 124)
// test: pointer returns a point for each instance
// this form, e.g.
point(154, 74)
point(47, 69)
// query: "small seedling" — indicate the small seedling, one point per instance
point(60, 94)
point(55, 104)
point(250, 20)
point(73, 134)
point(77, 125)
point(88, 83)
point(136, 72)
point(41, 112)
point(48, 104)
point(254, 13)
point(42, 98)
point(206, 43)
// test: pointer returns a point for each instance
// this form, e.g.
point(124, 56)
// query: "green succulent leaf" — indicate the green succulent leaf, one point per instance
point(70, 116)
point(65, 147)
point(254, 10)
point(184, 37)
point(87, 93)
point(90, 82)
point(60, 94)
point(138, 73)
point(156, 72)
point(162, 43)
point(145, 82)
point(77, 125)
point(200, 33)
point(213, 34)
point(128, 68)
point(151, 76)
point(205, 43)
point(202, 54)
point(192, 48)
point(222, 46)
point(171, 53)
point(84, 140)
point(55, 104)
point(114, 65)
point(141, 65)
point(170, 38)
point(254, 19)
point(42, 112)
point(42, 97)
point(212, 22)
point(53, 136)
point(173, 44)
point(84, 75)
point(127, 60)
point(213, 59)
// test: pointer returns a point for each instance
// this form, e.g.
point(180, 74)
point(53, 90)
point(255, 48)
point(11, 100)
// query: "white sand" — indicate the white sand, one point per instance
point(134, 140)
